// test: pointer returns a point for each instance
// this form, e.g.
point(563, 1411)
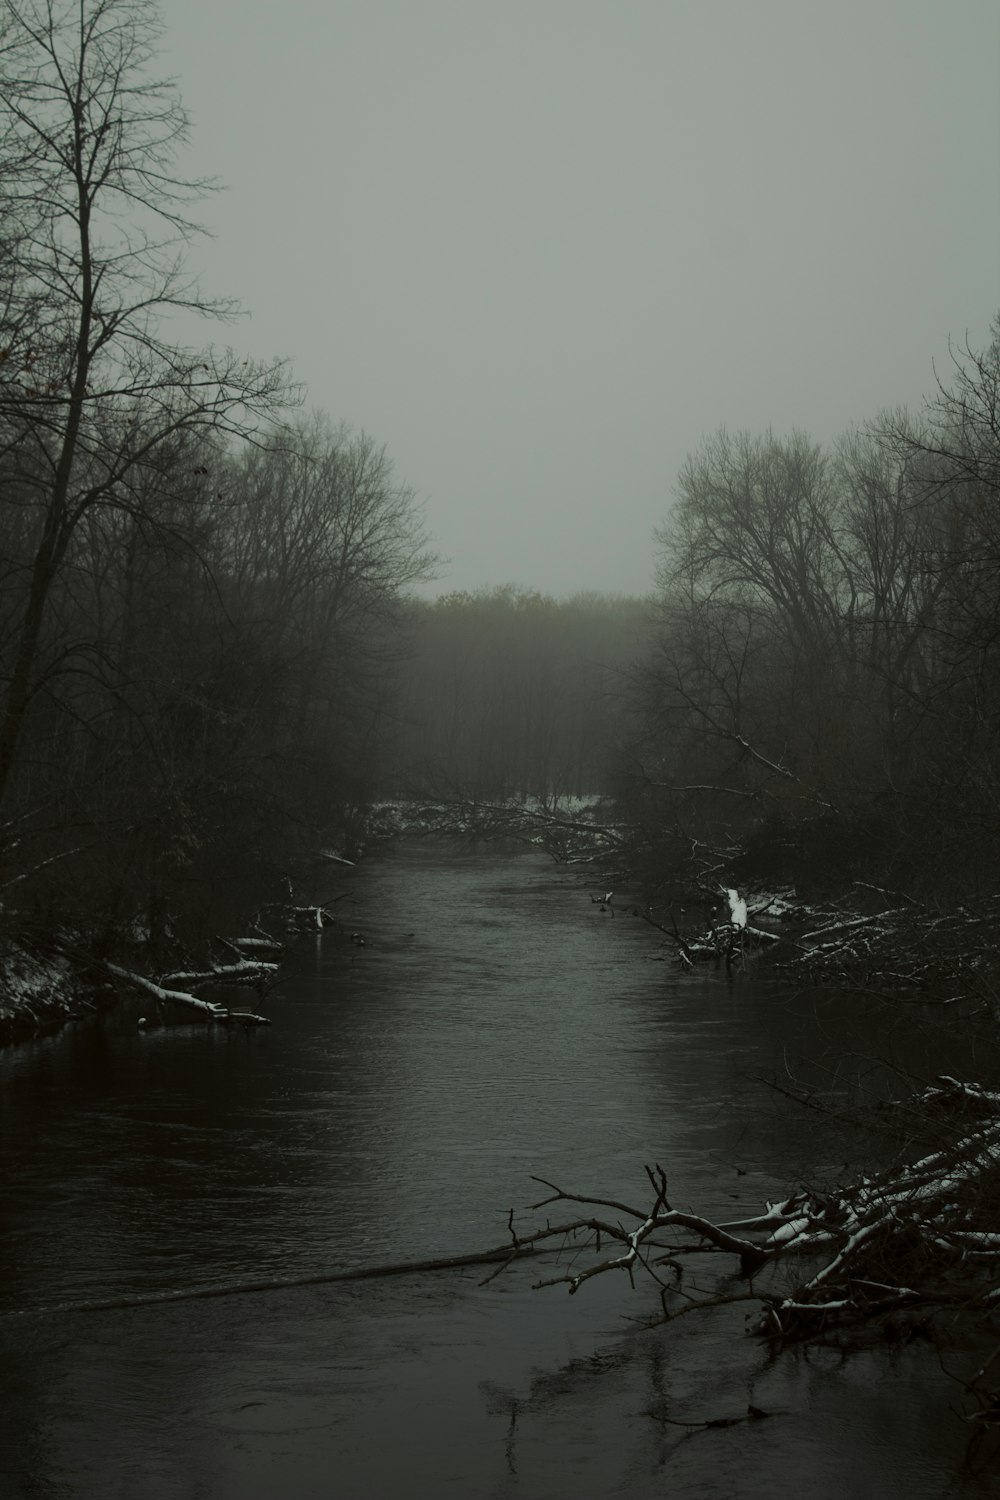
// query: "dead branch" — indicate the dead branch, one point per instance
point(569, 840)
point(918, 1234)
point(904, 948)
point(210, 1009)
point(244, 971)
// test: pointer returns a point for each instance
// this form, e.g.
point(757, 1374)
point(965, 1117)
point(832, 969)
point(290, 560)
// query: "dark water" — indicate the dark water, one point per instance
point(494, 1026)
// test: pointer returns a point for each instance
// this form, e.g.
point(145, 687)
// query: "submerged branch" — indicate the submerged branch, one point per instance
point(921, 1234)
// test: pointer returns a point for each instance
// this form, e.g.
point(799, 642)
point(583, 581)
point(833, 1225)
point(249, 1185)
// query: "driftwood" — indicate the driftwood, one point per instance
point(254, 959)
point(571, 838)
point(257, 944)
point(210, 1009)
point(244, 971)
point(918, 1236)
point(732, 938)
point(302, 918)
point(906, 945)
point(898, 944)
point(257, 1285)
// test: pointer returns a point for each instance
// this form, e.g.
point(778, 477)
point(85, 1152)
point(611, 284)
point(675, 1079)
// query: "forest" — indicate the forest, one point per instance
point(213, 659)
point(809, 695)
point(822, 691)
point(224, 680)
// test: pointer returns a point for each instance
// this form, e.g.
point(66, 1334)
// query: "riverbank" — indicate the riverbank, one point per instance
point(45, 985)
point(867, 939)
point(854, 934)
point(39, 993)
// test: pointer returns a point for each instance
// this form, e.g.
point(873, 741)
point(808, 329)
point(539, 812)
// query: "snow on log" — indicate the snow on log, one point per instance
point(902, 947)
point(310, 916)
point(569, 839)
point(919, 1234)
point(244, 971)
point(303, 917)
point(257, 945)
point(173, 997)
point(209, 1008)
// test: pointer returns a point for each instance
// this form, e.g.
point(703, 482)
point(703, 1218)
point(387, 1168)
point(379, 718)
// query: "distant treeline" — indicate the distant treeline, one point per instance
point(209, 649)
point(812, 694)
point(511, 693)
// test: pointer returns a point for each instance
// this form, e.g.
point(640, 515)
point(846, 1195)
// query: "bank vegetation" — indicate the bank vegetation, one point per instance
point(201, 592)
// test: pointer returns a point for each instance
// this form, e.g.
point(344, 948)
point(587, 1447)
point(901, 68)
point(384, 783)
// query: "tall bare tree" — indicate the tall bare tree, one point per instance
point(96, 216)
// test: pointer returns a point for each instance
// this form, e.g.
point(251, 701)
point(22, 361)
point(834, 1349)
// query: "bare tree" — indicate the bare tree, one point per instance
point(91, 387)
point(756, 520)
point(830, 625)
point(320, 547)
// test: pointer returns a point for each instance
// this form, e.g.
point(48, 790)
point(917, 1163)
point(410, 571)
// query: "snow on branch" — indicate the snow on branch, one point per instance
point(210, 1009)
point(166, 996)
point(921, 1234)
point(569, 839)
point(243, 971)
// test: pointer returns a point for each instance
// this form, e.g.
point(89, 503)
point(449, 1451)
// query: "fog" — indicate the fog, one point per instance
point(540, 250)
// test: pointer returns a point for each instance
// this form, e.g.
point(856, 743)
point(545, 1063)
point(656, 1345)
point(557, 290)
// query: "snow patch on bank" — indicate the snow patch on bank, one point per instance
point(36, 992)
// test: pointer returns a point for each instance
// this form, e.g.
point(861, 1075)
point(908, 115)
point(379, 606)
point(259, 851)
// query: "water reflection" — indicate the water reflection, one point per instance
point(494, 1025)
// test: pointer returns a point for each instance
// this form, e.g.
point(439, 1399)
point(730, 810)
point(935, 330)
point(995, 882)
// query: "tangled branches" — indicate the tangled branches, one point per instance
point(907, 946)
point(919, 1235)
point(570, 837)
point(871, 939)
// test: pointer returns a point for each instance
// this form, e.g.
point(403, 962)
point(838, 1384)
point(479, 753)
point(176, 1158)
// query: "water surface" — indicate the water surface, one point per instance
point(494, 1024)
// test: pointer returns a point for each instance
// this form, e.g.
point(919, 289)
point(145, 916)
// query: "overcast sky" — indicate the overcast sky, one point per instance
point(539, 248)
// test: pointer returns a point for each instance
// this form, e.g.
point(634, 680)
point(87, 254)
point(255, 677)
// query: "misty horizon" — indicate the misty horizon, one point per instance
point(540, 253)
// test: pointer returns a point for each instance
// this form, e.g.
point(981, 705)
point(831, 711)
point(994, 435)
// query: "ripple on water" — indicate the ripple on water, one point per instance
point(398, 1107)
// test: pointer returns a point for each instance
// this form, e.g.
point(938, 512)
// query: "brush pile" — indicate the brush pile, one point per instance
point(915, 1238)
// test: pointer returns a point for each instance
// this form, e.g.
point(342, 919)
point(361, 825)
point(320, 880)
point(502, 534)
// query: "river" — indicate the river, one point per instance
point(494, 1024)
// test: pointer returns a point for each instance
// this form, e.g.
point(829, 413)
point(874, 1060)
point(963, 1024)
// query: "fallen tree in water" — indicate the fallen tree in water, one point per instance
point(211, 1010)
point(897, 944)
point(573, 833)
point(255, 962)
point(60, 977)
point(903, 944)
point(918, 1237)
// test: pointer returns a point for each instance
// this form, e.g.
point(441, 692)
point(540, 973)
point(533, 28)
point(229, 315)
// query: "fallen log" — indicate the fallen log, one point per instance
point(905, 947)
point(210, 1009)
point(571, 840)
point(244, 971)
point(249, 1288)
point(732, 939)
point(921, 1234)
point(302, 918)
point(944, 956)
point(253, 944)
point(159, 992)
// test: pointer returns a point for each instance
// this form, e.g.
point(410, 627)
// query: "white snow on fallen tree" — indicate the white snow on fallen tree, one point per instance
point(243, 971)
point(210, 1009)
point(918, 1235)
